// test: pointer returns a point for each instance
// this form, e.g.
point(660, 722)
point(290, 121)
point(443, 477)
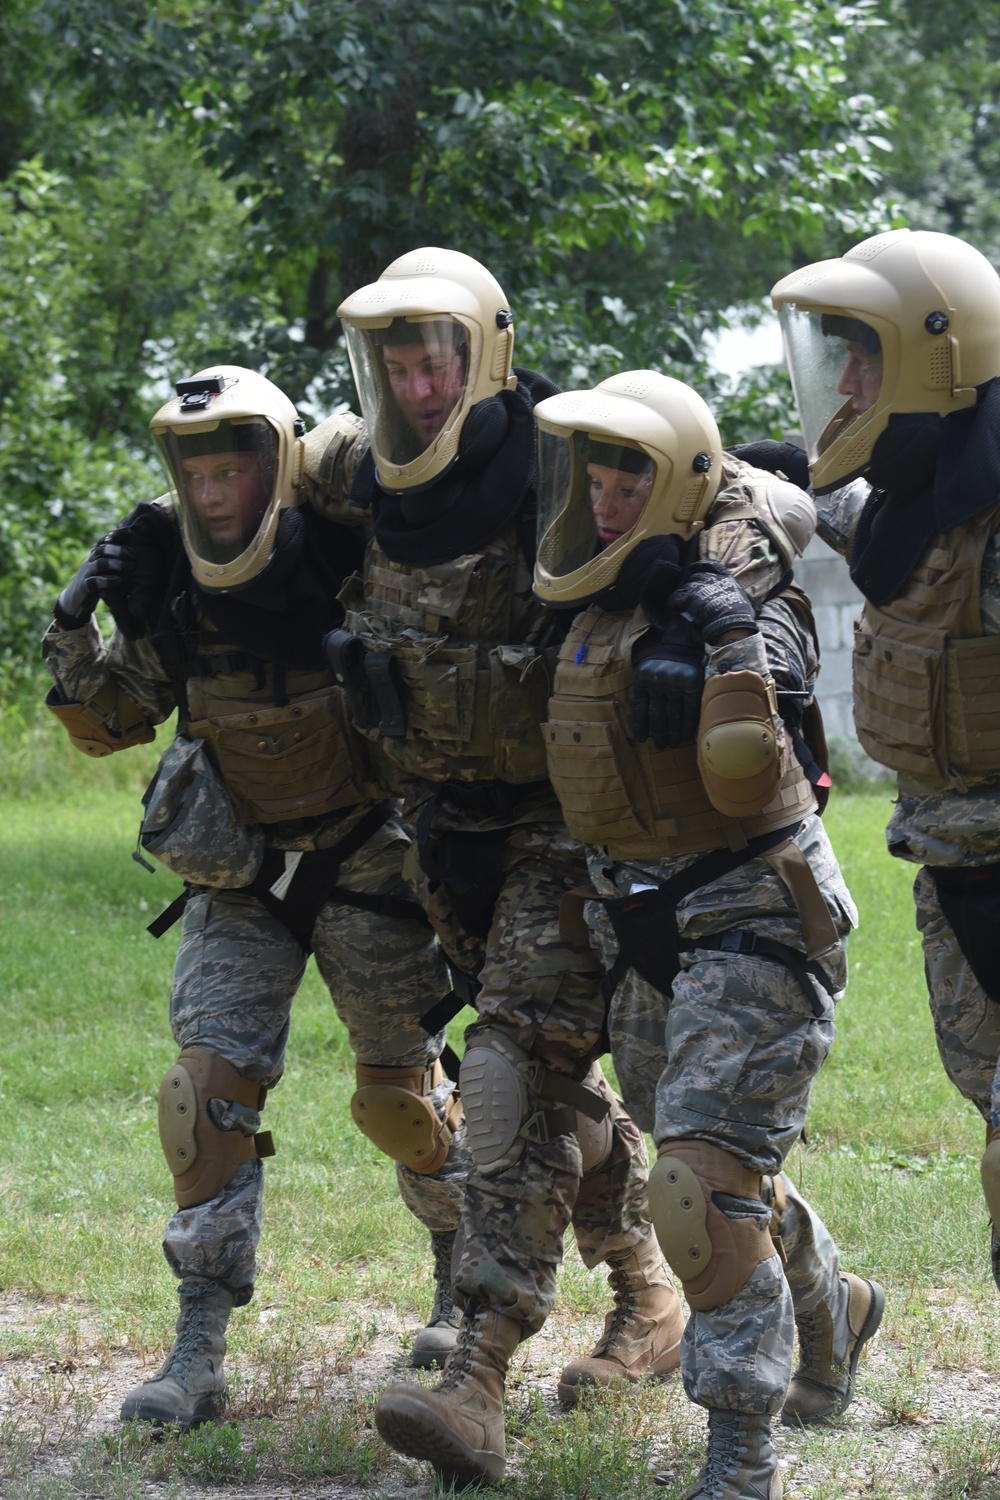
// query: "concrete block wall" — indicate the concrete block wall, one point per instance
point(836, 604)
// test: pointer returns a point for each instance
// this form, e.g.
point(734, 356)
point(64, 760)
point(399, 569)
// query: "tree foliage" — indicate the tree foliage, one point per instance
point(201, 182)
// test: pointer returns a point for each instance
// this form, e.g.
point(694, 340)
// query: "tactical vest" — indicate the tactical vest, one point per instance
point(629, 798)
point(926, 678)
point(475, 696)
point(283, 754)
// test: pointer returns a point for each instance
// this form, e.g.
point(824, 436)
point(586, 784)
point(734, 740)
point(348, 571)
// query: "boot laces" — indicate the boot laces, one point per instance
point(621, 1316)
point(726, 1447)
point(442, 1245)
point(189, 1345)
point(459, 1362)
point(809, 1327)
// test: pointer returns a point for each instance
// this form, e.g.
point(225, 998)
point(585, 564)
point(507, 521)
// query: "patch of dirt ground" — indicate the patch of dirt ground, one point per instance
point(63, 1400)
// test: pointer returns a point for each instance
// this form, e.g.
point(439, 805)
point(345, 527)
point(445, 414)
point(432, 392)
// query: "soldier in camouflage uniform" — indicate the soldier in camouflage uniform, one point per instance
point(894, 352)
point(267, 805)
point(447, 658)
point(723, 911)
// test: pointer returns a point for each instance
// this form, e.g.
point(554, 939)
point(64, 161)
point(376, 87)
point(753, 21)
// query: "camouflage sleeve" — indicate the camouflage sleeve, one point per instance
point(82, 667)
point(746, 655)
point(742, 547)
point(784, 648)
point(333, 452)
point(837, 514)
point(791, 649)
point(989, 586)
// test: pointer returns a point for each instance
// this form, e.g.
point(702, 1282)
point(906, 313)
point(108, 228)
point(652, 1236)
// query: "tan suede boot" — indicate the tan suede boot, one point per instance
point(458, 1425)
point(642, 1332)
point(829, 1346)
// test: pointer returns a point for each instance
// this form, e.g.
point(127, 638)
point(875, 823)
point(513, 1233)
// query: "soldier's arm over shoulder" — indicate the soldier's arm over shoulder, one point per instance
point(333, 452)
point(107, 694)
point(784, 651)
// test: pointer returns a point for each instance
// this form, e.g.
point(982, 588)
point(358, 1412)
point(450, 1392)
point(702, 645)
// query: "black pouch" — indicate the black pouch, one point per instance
point(645, 925)
point(470, 867)
point(970, 900)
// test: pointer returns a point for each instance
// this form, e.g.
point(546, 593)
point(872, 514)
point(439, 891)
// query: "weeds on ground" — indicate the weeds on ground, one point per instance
point(334, 1443)
point(964, 1458)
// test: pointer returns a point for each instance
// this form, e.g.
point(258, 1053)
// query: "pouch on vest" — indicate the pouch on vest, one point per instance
point(189, 823)
point(970, 900)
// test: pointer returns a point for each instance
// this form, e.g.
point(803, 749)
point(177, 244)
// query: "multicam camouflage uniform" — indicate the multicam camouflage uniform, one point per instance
point(540, 981)
point(238, 969)
point(958, 828)
point(730, 1058)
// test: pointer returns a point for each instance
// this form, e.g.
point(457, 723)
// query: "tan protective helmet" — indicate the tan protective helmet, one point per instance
point(427, 341)
point(639, 456)
point(232, 445)
point(907, 321)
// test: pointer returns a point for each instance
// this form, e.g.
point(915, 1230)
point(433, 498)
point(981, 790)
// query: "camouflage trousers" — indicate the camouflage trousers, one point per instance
point(237, 972)
point(541, 987)
point(739, 1046)
point(966, 1021)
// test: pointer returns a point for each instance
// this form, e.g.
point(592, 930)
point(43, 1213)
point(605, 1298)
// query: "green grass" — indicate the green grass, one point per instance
point(891, 1163)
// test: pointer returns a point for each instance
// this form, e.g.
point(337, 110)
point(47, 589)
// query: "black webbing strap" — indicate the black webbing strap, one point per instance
point(403, 907)
point(805, 970)
point(664, 899)
point(300, 913)
point(465, 988)
point(306, 897)
point(567, 1091)
point(170, 914)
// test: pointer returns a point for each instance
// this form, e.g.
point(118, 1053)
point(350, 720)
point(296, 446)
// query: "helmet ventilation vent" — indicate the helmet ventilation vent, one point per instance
point(501, 355)
point(940, 365)
point(856, 455)
point(690, 498)
point(638, 388)
point(869, 248)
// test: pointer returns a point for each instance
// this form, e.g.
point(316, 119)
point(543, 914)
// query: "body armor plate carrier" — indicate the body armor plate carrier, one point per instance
point(473, 695)
point(926, 678)
point(629, 798)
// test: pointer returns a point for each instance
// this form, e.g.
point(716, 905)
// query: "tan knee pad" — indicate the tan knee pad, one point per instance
point(393, 1108)
point(738, 753)
point(712, 1254)
point(989, 1171)
point(596, 1136)
point(202, 1158)
point(512, 1098)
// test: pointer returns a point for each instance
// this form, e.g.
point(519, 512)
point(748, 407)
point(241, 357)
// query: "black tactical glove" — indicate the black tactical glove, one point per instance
point(108, 565)
point(714, 602)
point(666, 696)
point(776, 458)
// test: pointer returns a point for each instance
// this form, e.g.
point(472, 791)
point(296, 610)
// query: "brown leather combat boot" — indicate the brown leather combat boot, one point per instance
point(642, 1332)
point(829, 1345)
point(457, 1426)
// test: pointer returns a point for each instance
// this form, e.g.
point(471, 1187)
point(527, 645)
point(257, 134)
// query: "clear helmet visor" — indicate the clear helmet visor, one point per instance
point(413, 379)
point(224, 481)
point(593, 492)
point(835, 364)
